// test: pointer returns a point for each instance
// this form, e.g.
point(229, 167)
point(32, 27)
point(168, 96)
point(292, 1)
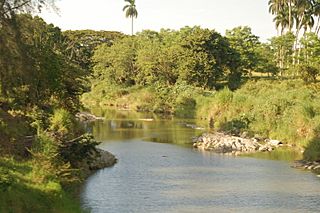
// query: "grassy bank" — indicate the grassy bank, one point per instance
point(179, 99)
point(287, 110)
point(27, 188)
point(41, 168)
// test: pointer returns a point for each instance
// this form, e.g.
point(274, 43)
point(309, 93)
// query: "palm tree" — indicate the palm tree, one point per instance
point(281, 21)
point(279, 9)
point(281, 6)
point(316, 13)
point(131, 11)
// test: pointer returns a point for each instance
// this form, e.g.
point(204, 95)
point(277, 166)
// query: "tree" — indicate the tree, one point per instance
point(277, 8)
point(131, 11)
point(265, 60)
point(82, 43)
point(242, 40)
point(8, 8)
point(157, 56)
point(283, 50)
point(206, 58)
point(34, 67)
point(310, 49)
point(116, 63)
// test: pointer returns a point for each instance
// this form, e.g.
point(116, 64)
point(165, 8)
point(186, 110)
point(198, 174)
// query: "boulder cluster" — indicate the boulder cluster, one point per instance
point(223, 143)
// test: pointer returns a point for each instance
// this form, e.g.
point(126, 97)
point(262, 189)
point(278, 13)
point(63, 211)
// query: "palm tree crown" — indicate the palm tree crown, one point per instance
point(131, 11)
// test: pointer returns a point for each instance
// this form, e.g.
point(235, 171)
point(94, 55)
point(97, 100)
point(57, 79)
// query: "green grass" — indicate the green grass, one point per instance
point(176, 99)
point(22, 190)
point(287, 110)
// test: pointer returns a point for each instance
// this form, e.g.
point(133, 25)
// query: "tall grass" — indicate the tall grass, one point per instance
point(285, 110)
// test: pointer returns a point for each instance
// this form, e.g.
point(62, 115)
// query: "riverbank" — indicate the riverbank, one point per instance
point(26, 187)
point(286, 110)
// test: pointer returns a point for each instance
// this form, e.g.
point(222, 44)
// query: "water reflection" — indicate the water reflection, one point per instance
point(124, 125)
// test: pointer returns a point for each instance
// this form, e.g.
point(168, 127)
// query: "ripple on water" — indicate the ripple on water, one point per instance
point(160, 177)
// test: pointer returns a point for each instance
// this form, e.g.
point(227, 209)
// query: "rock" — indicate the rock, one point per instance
point(244, 134)
point(87, 117)
point(263, 148)
point(223, 143)
point(275, 143)
point(102, 160)
point(310, 167)
point(317, 167)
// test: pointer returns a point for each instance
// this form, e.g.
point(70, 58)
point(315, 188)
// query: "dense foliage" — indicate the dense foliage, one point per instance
point(201, 57)
point(82, 43)
point(298, 24)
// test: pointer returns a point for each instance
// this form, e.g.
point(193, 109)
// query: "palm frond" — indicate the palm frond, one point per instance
point(125, 7)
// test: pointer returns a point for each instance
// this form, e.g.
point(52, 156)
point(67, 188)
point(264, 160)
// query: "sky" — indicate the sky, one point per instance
point(169, 14)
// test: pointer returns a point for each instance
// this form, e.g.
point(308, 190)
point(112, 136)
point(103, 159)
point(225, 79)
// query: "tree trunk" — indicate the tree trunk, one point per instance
point(132, 25)
point(317, 26)
point(290, 15)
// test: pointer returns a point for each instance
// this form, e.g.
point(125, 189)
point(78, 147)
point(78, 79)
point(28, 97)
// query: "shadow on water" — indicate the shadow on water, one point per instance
point(282, 154)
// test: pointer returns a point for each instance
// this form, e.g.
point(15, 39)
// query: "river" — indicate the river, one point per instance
point(158, 172)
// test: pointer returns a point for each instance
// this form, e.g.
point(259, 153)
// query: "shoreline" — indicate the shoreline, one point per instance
point(247, 145)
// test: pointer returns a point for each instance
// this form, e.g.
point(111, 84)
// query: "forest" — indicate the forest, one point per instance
point(234, 83)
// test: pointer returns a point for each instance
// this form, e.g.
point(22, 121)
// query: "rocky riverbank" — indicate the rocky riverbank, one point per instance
point(223, 143)
point(313, 166)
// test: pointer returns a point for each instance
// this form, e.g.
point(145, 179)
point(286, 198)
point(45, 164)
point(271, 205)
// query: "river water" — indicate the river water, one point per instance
point(158, 171)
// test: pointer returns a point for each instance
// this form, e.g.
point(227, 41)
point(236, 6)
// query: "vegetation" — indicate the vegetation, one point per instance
point(286, 110)
point(197, 72)
point(235, 83)
point(42, 147)
point(23, 191)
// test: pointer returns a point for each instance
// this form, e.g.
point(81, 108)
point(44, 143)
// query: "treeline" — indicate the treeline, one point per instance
point(203, 58)
point(199, 57)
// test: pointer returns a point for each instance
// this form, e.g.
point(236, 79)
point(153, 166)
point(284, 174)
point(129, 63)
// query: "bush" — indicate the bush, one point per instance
point(6, 180)
point(308, 73)
point(312, 151)
point(61, 122)
point(79, 149)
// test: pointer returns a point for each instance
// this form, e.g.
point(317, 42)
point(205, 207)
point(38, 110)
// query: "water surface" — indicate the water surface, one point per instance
point(156, 173)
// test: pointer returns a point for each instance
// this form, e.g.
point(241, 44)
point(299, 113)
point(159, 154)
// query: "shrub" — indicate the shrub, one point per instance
point(78, 149)
point(61, 122)
point(308, 73)
point(312, 152)
point(6, 180)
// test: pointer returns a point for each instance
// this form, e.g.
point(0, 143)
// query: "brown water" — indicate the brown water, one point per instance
point(158, 172)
